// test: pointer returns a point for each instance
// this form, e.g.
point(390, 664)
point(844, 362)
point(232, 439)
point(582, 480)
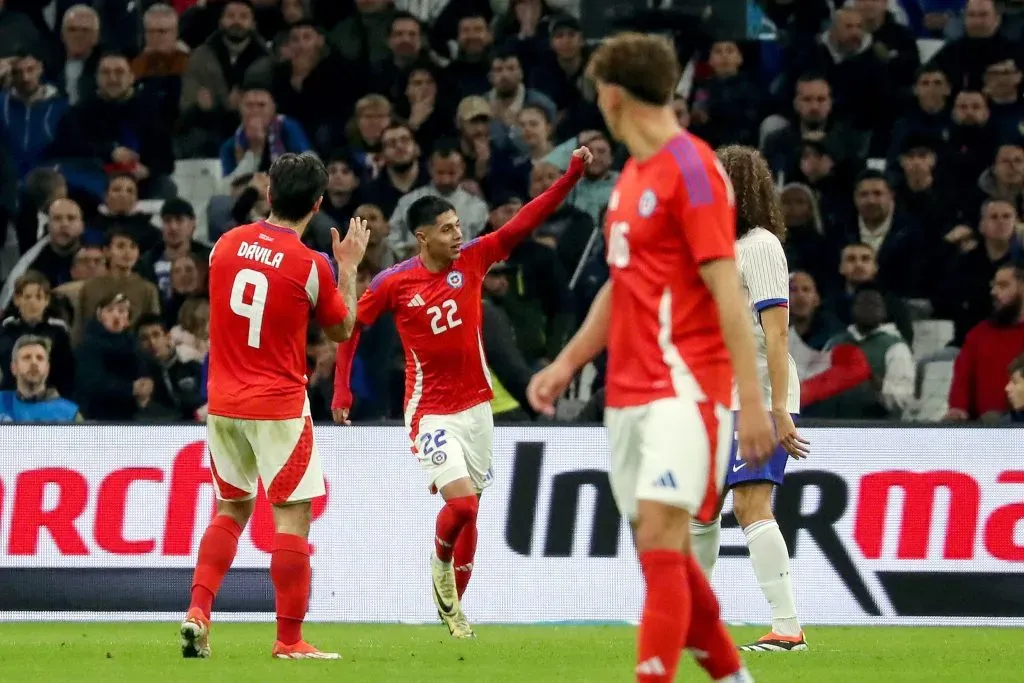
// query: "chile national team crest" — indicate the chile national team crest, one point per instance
point(648, 202)
point(455, 279)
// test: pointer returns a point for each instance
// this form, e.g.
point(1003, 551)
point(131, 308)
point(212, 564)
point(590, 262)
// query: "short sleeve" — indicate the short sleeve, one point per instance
point(703, 201)
point(766, 274)
point(328, 305)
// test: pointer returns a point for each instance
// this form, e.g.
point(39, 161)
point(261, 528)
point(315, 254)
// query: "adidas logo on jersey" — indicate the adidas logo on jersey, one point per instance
point(416, 301)
point(665, 481)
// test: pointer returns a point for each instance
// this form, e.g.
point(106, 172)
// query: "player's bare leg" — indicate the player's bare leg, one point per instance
point(216, 553)
point(459, 513)
point(291, 574)
point(752, 503)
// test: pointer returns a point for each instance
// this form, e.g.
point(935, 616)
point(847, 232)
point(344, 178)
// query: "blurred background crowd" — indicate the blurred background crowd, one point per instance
point(134, 134)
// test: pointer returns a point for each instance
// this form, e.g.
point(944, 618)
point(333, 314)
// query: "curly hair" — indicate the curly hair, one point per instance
point(757, 201)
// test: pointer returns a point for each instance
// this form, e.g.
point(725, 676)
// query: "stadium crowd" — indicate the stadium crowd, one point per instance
point(133, 135)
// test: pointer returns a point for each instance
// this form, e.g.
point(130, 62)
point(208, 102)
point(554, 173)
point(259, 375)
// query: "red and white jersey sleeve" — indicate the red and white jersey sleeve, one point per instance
point(667, 216)
point(265, 286)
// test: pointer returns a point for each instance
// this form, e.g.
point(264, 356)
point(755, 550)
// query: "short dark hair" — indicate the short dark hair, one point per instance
point(297, 182)
point(445, 149)
point(402, 15)
point(1017, 365)
point(869, 174)
point(811, 77)
point(118, 230)
point(425, 210)
point(1016, 266)
point(505, 52)
point(32, 277)
point(149, 319)
point(305, 22)
point(398, 125)
point(113, 54)
point(121, 175)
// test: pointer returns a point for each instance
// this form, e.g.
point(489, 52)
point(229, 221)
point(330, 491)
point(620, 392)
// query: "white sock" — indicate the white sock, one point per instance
point(770, 558)
point(741, 676)
point(704, 541)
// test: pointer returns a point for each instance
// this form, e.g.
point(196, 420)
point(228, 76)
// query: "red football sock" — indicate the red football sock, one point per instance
point(465, 550)
point(717, 652)
point(216, 553)
point(666, 616)
point(291, 574)
point(456, 514)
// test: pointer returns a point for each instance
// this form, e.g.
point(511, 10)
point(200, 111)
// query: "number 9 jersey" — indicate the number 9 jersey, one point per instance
point(265, 286)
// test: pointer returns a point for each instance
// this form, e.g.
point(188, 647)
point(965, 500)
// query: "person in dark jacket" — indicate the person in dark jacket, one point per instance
point(31, 299)
point(507, 365)
point(30, 112)
point(112, 380)
point(121, 129)
point(726, 108)
point(176, 382)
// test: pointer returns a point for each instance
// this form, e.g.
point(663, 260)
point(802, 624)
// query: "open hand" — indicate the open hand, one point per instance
point(795, 445)
point(349, 252)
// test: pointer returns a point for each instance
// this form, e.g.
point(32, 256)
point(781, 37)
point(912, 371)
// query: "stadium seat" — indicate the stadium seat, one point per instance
point(931, 336)
point(933, 400)
point(197, 181)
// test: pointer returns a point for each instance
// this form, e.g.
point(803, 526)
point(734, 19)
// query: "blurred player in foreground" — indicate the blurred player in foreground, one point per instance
point(435, 298)
point(765, 276)
point(674, 294)
point(265, 285)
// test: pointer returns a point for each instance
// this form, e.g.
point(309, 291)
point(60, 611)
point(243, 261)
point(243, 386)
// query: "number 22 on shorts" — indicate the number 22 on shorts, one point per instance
point(428, 440)
point(254, 309)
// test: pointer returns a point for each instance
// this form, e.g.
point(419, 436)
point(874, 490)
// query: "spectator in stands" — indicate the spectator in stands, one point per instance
point(321, 354)
point(509, 95)
point(919, 194)
point(980, 370)
point(1004, 179)
point(427, 116)
point(858, 77)
point(481, 150)
point(111, 379)
point(212, 85)
point(965, 59)
point(1015, 389)
point(726, 108)
point(17, 34)
point(315, 85)
point(592, 193)
point(176, 381)
point(122, 256)
point(178, 227)
point(191, 336)
point(30, 112)
point(89, 262)
point(822, 168)
point(1002, 80)
point(807, 247)
point(378, 254)
point(965, 295)
point(262, 137)
point(510, 373)
point(363, 37)
point(119, 130)
point(31, 301)
point(80, 39)
point(812, 106)
point(972, 138)
point(568, 230)
point(363, 133)
point(891, 388)
point(120, 210)
point(405, 48)
point(163, 61)
point(447, 169)
point(188, 281)
point(559, 73)
point(893, 235)
point(892, 42)
point(42, 187)
point(402, 173)
point(53, 255)
point(343, 193)
point(813, 325)
point(32, 399)
point(524, 28)
point(858, 266)
point(928, 115)
point(469, 73)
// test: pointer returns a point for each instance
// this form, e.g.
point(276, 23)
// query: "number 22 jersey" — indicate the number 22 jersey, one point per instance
point(265, 286)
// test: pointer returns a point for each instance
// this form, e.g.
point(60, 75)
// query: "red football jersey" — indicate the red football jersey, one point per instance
point(438, 316)
point(667, 216)
point(265, 285)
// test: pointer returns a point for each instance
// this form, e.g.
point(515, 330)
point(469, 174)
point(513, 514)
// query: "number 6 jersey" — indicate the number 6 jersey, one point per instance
point(667, 216)
point(265, 286)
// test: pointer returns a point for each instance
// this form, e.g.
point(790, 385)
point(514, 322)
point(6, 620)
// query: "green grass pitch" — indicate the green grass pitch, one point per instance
point(148, 653)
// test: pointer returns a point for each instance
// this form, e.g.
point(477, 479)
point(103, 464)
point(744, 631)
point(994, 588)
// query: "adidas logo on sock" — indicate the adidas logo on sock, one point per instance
point(651, 667)
point(666, 481)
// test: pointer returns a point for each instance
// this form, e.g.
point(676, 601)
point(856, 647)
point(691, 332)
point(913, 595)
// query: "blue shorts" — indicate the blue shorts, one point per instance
point(740, 472)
